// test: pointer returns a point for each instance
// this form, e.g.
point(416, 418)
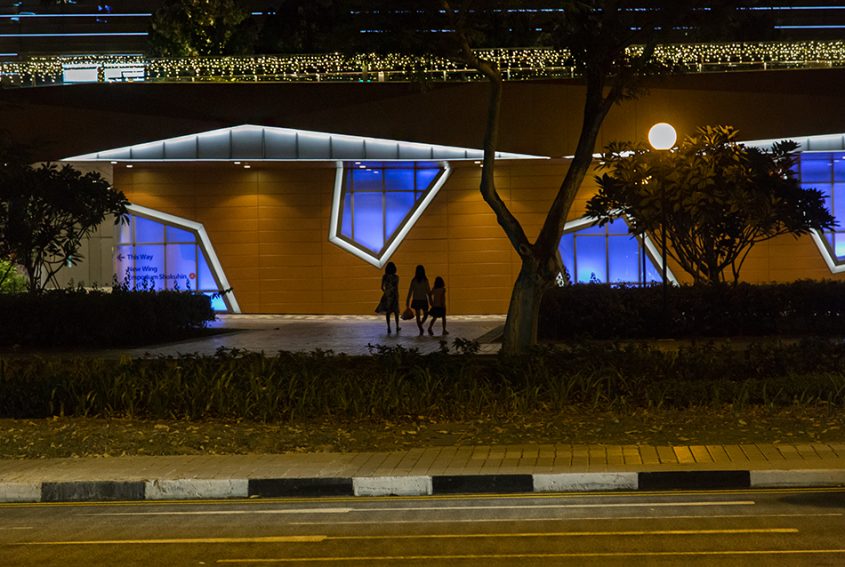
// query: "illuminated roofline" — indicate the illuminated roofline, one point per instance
point(381, 149)
point(380, 261)
point(814, 143)
point(205, 241)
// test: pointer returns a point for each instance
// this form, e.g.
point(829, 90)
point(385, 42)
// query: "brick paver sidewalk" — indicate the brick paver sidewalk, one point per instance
point(512, 459)
point(529, 468)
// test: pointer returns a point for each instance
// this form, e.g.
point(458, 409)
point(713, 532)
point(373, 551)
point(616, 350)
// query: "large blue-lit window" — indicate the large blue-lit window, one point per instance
point(606, 254)
point(379, 198)
point(825, 171)
point(153, 255)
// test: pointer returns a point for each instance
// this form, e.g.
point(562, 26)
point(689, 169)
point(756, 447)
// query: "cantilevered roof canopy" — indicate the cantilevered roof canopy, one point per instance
point(819, 143)
point(266, 143)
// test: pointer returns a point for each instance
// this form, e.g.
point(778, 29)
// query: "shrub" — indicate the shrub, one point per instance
point(398, 383)
point(78, 317)
point(11, 281)
point(802, 308)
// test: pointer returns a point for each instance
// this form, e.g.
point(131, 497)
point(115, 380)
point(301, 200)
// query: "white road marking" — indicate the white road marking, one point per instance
point(562, 519)
point(566, 506)
point(436, 508)
point(17, 528)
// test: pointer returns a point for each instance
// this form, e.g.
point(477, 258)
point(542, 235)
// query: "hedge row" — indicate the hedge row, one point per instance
point(76, 317)
point(803, 308)
point(397, 383)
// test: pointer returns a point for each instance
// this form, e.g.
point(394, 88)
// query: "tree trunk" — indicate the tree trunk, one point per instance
point(524, 309)
point(34, 278)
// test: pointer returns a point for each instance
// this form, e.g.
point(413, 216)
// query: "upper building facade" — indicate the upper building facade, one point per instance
point(86, 27)
point(292, 190)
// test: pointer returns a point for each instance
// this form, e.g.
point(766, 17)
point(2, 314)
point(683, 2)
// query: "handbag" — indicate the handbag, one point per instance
point(407, 314)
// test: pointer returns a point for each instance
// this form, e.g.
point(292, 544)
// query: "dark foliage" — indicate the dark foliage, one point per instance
point(595, 311)
point(398, 383)
point(191, 28)
point(76, 317)
point(47, 211)
point(711, 197)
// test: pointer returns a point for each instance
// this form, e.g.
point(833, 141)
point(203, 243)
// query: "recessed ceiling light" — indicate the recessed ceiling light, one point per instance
point(129, 165)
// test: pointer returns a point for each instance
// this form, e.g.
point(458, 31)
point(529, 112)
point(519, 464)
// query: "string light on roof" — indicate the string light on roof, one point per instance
point(515, 64)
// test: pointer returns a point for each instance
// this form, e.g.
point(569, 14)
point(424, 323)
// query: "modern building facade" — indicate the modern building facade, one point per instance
point(294, 195)
point(74, 27)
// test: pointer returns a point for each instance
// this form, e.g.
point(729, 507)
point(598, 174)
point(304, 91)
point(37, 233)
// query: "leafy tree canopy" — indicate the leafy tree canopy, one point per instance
point(190, 28)
point(46, 212)
point(713, 197)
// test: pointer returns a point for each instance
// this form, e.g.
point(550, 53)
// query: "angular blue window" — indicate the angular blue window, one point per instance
point(817, 167)
point(606, 254)
point(154, 255)
point(378, 202)
point(825, 171)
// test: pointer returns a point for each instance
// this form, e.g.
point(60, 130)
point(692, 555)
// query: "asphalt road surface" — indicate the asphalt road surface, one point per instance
point(764, 527)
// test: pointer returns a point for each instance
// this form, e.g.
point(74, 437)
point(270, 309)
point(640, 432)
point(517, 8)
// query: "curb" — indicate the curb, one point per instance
point(196, 489)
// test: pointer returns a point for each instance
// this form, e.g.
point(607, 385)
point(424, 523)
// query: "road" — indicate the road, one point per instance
point(772, 527)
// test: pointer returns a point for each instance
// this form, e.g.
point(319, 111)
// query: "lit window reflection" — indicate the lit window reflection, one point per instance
point(152, 255)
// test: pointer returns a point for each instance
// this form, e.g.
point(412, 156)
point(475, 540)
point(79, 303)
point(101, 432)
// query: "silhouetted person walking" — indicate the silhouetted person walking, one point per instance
point(438, 305)
point(389, 303)
point(418, 295)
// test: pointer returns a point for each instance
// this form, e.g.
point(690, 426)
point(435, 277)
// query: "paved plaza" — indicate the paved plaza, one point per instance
point(350, 334)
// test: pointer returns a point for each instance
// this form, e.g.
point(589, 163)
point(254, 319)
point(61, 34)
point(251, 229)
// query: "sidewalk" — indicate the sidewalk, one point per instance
point(441, 470)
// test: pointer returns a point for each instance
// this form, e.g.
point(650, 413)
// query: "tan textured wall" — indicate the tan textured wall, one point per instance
point(538, 117)
point(269, 226)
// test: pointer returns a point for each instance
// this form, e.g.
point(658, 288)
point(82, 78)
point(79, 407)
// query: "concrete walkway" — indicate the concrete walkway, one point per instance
point(348, 334)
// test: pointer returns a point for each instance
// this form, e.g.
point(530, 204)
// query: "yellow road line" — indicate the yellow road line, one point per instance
point(322, 538)
point(542, 555)
point(577, 534)
point(269, 539)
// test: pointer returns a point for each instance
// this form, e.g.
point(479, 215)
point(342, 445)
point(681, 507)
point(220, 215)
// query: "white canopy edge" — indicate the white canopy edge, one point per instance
point(266, 143)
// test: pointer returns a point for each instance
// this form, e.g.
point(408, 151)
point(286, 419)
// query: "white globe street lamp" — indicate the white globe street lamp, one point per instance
point(662, 136)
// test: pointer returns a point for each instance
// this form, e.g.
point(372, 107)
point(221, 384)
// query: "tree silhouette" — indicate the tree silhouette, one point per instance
point(47, 211)
point(190, 28)
point(714, 199)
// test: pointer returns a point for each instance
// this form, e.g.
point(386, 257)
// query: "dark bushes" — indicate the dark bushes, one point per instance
point(803, 308)
point(76, 317)
point(397, 383)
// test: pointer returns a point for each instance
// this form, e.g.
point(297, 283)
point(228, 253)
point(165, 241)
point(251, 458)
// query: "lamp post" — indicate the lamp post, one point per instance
point(662, 136)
